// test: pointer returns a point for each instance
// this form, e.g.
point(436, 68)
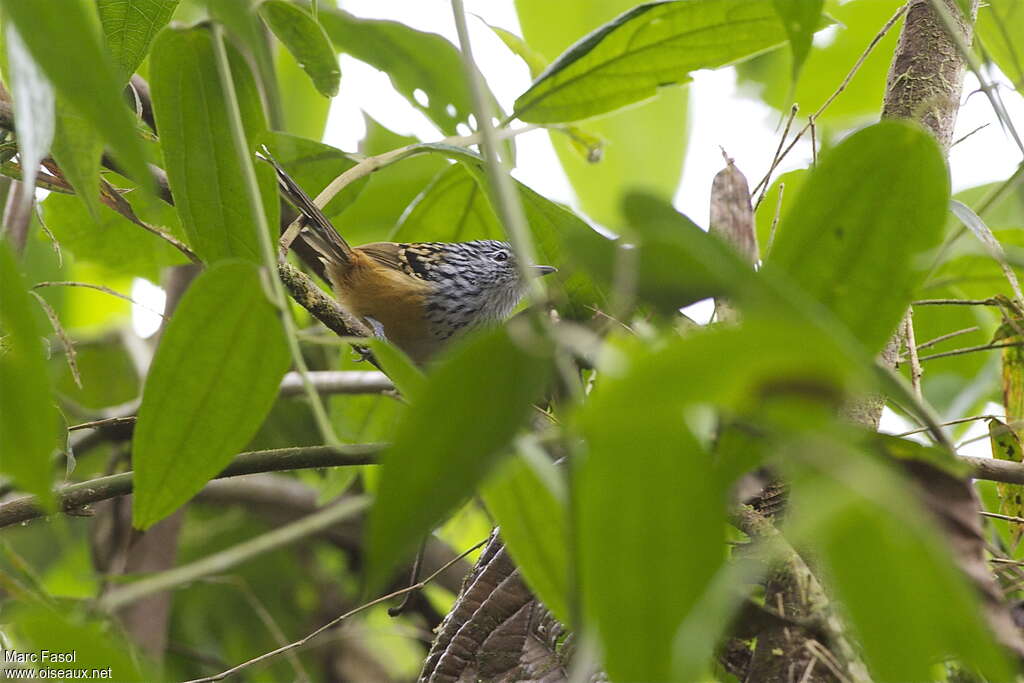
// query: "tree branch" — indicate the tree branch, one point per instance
point(73, 497)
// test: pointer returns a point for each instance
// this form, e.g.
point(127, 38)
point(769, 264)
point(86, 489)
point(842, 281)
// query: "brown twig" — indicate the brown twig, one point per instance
point(842, 86)
point(73, 497)
point(334, 622)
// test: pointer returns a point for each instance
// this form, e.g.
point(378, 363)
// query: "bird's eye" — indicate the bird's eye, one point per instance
point(500, 256)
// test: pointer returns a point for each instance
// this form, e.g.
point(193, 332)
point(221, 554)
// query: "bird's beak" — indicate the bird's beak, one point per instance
point(544, 270)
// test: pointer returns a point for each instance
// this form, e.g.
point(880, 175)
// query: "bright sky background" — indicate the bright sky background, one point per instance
point(719, 118)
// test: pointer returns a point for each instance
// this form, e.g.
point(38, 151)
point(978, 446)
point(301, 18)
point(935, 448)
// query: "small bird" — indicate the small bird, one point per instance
point(416, 295)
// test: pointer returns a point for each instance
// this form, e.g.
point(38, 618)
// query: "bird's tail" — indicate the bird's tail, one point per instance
point(317, 230)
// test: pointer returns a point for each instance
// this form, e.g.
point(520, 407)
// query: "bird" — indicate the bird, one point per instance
point(418, 296)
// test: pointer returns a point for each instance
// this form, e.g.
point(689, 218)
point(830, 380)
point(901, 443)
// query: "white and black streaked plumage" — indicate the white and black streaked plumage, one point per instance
point(418, 295)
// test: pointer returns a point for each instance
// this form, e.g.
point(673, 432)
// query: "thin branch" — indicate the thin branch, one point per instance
point(945, 337)
point(1006, 518)
point(330, 382)
point(73, 497)
point(842, 86)
point(99, 288)
point(777, 157)
point(915, 363)
point(231, 557)
point(962, 420)
point(969, 349)
point(65, 340)
point(956, 302)
point(334, 622)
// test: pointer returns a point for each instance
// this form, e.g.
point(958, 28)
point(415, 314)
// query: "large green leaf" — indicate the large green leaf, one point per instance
point(307, 41)
point(203, 167)
point(883, 557)
point(214, 378)
point(130, 26)
point(643, 146)
point(644, 452)
point(864, 220)
point(648, 47)
point(28, 415)
point(529, 501)
point(63, 38)
point(424, 67)
point(490, 382)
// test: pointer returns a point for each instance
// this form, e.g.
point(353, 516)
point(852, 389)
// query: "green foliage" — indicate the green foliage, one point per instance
point(129, 27)
point(202, 165)
point(873, 545)
point(63, 38)
point(110, 240)
point(886, 179)
point(213, 380)
point(435, 461)
point(307, 41)
point(27, 414)
point(414, 60)
point(653, 45)
point(529, 501)
point(609, 438)
point(800, 18)
point(642, 147)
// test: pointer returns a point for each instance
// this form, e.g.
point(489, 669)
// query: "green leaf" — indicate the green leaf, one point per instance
point(648, 47)
point(28, 416)
point(64, 40)
point(452, 208)
point(249, 33)
point(203, 167)
point(313, 165)
point(637, 154)
point(769, 76)
point(1000, 28)
point(33, 111)
point(304, 109)
point(110, 240)
point(43, 628)
point(800, 18)
point(838, 241)
point(77, 150)
point(416, 62)
point(534, 60)
point(214, 378)
point(855, 513)
point(528, 499)
point(490, 382)
point(130, 26)
point(408, 378)
point(307, 41)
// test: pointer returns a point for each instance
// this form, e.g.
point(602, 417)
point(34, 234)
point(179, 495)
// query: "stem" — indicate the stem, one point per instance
point(73, 497)
point(505, 194)
point(235, 555)
point(252, 191)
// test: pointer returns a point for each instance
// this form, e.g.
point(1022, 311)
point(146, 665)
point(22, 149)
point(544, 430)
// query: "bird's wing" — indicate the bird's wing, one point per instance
point(387, 254)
